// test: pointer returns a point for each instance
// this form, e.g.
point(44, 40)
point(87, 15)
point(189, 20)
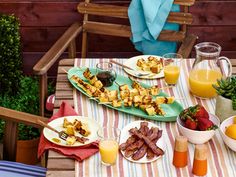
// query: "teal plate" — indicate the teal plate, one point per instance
point(171, 110)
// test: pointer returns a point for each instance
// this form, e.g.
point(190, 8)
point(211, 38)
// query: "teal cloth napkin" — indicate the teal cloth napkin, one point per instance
point(147, 19)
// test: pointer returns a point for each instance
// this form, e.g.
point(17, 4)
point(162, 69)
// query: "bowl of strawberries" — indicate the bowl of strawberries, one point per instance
point(197, 124)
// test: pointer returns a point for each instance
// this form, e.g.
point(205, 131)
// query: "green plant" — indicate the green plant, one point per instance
point(17, 91)
point(227, 88)
point(26, 100)
point(10, 56)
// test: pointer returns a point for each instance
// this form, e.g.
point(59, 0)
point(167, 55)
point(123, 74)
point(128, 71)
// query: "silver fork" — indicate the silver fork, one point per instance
point(136, 73)
point(62, 134)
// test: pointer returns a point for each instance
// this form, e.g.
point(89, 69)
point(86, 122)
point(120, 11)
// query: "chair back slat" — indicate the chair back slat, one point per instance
point(124, 31)
point(122, 12)
point(184, 2)
point(103, 10)
point(107, 29)
point(116, 28)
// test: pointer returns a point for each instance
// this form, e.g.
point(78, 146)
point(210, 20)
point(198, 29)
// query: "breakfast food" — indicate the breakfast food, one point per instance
point(146, 99)
point(152, 64)
point(142, 142)
point(197, 118)
point(230, 131)
point(73, 128)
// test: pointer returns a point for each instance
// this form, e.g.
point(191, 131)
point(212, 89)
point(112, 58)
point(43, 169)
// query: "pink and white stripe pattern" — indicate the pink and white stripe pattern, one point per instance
point(221, 160)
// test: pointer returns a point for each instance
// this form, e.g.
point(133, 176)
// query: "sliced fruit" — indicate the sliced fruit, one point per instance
point(230, 131)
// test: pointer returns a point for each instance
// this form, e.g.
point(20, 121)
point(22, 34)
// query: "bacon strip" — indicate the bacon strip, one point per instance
point(158, 151)
point(143, 128)
point(138, 144)
point(150, 153)
point(142, 141)
point(81, 139)
point(128, 142)
point(142, 151)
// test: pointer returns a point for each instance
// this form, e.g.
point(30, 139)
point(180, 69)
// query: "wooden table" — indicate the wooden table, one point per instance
point(57, 164)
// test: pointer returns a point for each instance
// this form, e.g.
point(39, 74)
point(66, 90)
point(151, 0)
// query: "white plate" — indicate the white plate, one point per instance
point(58, 125)
point(125, 135)
point(132, 63)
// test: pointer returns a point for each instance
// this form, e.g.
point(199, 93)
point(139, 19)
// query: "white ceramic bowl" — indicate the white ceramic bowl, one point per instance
point(231, 143)
point(195, 136)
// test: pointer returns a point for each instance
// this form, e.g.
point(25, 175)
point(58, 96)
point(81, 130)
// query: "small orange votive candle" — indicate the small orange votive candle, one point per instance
point(200, 160)
point(180, 157)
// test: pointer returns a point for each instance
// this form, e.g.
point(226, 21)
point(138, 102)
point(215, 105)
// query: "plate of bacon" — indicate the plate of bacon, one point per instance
point(142, 142)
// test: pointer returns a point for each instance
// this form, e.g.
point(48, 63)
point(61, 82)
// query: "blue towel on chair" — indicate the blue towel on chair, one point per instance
point(148, 19)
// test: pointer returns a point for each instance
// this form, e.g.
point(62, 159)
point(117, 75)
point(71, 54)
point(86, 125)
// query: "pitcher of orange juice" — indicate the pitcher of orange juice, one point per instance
point(206, 69)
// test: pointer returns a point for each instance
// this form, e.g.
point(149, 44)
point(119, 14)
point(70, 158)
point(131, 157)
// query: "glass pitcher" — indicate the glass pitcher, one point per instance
point(206, 69)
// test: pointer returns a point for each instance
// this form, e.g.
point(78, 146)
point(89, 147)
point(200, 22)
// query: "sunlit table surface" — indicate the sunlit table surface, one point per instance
point(221, 160)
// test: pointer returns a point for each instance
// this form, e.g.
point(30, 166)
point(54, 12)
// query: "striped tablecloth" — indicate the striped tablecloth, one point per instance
point(221, 160)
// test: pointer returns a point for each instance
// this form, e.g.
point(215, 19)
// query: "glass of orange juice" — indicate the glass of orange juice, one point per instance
point(108, 145)
point(172, 63)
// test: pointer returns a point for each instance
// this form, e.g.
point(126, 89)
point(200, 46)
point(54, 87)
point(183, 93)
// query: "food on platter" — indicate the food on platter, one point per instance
point(197, 118)
point(152, 64)
point(164, 100)
point(72, 128)
point(117, 103)
point(93, 80)
point(142, 142)
point(137, 96)
point(88, 88)
point(124, 87)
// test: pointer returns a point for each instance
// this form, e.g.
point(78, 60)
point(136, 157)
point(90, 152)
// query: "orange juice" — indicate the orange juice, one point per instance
point(108, 150)
point(201, 80)
point(171, 74)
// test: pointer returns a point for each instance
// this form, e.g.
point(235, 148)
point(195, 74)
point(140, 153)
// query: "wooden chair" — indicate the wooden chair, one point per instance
point(67, 40)
point(12, 118)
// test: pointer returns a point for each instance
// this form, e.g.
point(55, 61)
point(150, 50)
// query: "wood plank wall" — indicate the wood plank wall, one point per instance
point(43, 21)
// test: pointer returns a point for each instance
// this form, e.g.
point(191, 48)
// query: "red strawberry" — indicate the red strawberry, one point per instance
point(191, 124)
point(200, 112)
point(205, 124)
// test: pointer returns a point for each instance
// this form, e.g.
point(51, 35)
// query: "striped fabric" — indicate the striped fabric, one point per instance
point(14, 169)
point(221, 160)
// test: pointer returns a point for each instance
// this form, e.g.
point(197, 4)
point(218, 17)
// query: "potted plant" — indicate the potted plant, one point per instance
point(226, 99)
point(17, 91)
point(25, 100)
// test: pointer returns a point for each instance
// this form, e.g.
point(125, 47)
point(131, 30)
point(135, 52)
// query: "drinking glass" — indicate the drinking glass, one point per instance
point(105, 73)
point(108, 145)
point(172, 63)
